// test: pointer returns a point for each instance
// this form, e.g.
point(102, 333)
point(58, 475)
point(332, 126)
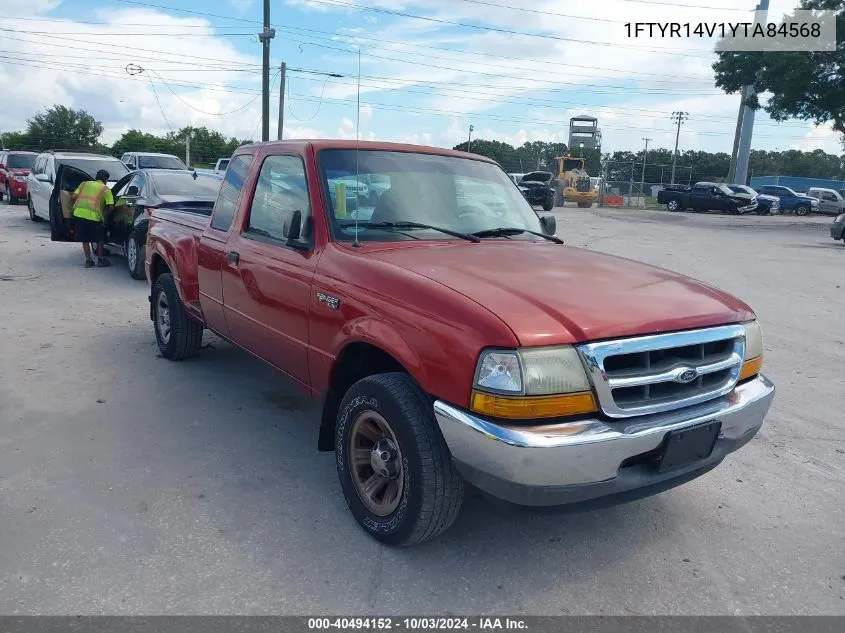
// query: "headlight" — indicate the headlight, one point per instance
point(814, 203)
point(20, 178)
point(753, 361)
point(532, 383)
point(839, 218)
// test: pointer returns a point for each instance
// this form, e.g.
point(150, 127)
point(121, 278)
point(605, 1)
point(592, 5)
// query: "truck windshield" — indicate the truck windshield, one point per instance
point(458, 194)
point(21, 161)
point(160, 162)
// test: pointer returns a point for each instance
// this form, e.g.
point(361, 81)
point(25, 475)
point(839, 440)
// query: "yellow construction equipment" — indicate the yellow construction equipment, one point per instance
point(574, 183)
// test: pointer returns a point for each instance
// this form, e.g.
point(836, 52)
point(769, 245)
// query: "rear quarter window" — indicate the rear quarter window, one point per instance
point(230, 191)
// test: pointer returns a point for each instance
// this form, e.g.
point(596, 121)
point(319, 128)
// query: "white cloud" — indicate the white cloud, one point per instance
point(241, 6)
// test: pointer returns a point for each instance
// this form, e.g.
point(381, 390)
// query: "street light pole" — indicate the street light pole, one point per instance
point(282, 102)
point(678, 117)
point(469, 140)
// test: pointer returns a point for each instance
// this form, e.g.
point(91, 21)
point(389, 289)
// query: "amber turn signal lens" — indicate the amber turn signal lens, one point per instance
point(751, 367)
point(526, 408)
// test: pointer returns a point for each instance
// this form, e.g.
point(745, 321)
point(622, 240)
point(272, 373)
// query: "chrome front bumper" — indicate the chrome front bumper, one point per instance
point(591, 459)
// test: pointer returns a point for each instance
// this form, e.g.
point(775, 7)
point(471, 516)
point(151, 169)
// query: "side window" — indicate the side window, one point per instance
point(230, 189)
point(38, 168)
point(51, 168)
point(281, 190)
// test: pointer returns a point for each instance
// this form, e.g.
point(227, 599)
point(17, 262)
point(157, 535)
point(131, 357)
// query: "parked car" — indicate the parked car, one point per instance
point(41, 182)
point(137, 195)
point(707, 196)
point(790, 200)
point(538, 189)
point(448, 343)
point(766, 205)
point(152, 160)
point(14, 168)
point(837, 229)
point(831, 202)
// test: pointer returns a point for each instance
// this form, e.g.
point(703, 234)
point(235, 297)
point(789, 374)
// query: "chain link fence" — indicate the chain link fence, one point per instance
point(634, 185)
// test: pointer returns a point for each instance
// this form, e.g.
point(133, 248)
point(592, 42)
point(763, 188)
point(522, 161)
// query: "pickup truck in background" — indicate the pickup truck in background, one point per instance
point(449, 341)
point(790, 200)
point(219, 168)
point(707, 196)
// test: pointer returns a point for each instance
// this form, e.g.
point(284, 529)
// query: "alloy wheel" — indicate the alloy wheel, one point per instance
point(376, 463)
point(163, 317)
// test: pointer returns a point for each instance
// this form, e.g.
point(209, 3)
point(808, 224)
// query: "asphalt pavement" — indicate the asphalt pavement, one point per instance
point(133, 485)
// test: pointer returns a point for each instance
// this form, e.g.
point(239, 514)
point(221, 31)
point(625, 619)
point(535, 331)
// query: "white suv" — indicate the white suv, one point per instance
point(42, 178)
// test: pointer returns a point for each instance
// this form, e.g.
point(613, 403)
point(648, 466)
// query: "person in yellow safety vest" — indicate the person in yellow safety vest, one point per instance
point(91, 201)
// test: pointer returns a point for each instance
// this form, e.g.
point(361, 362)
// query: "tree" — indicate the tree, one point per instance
point(61, 127)
point(14, 140)
point(807, 85)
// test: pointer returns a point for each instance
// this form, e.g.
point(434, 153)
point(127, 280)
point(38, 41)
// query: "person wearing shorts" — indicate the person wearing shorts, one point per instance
point(91, 200)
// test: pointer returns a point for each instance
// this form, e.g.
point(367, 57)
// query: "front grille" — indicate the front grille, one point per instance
point(650, 374)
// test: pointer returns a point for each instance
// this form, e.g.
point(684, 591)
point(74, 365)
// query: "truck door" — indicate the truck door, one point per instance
point(270, 265)
point(61, 204)
point(700, 198)
point(211, 254)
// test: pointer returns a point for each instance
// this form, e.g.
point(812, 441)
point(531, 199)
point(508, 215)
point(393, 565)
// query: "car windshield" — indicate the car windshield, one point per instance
point(160, 162)
point(20, 161)
point(724, 189)
point(458, 194)
point(184, 184)
point(91, 166)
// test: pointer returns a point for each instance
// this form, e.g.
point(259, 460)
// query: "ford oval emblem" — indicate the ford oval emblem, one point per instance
point(686, 376)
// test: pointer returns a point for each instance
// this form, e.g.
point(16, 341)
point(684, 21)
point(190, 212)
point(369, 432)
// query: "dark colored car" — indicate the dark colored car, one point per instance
point(790, 200)
point(14, 168)
point(766, 205)
point(136, 195)
point(707, 196)
point(538, 189)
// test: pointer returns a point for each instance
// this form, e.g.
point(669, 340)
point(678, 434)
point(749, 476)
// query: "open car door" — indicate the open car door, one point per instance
point(61, 202)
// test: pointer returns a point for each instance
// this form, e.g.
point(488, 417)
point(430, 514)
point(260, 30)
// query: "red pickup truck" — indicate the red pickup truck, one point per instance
point(453, 339)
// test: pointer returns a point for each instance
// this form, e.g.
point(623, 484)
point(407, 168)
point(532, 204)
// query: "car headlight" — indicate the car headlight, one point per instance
point(814, 203)
point(839, 218)
point(532, 383)
point(753, 361)
point(20, 178)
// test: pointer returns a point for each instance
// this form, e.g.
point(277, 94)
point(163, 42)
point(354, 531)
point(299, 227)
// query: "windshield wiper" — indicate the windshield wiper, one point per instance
point(505, 231)
point(418, 225)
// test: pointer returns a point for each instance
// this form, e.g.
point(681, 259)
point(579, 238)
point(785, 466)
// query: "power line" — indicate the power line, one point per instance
point(690, 6)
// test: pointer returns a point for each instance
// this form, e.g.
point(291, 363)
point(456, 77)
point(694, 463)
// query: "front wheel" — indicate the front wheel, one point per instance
point(802, 209)
point(548, 205)
point(135, 256)
point(394, 467)
point(31, 208)
point(9, 196)
point(177, 335)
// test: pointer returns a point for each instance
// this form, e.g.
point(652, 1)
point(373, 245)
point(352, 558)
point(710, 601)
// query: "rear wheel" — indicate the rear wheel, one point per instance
point(135, 256)
point(177, 335)
point(673, 205)
point(31, 208)
point(802, 209)
point(394, 467)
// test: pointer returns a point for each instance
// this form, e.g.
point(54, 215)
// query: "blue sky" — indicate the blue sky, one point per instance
point(517, 74)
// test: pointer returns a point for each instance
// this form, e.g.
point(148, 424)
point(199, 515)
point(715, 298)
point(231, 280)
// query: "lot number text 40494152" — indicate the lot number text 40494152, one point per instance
point(403, 624)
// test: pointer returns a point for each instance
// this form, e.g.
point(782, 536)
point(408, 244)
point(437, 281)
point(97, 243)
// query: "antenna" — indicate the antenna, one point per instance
point(356, 243)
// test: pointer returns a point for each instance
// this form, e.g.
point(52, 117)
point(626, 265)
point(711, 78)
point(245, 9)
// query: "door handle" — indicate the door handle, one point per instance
point(232, 259)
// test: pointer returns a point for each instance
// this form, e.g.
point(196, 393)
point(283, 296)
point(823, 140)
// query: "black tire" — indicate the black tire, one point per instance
point(184, 337)
point(802, 209)
point(134, 251)
point(549, 205)
point(11, 198)
point(31, 209)
point(432, 489)
point(674, 206)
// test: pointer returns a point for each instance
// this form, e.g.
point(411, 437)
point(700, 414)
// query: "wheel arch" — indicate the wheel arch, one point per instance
point(357, 360)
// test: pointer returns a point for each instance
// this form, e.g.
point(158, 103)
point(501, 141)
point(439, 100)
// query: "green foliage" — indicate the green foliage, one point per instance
point(61, 127)
point(206, 145)
point(807, 85)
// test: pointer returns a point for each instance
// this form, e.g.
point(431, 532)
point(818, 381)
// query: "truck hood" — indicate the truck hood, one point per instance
point(16, 171)
point(550, 294)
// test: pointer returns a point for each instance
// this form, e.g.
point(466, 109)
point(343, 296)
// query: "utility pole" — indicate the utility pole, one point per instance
point(747, 128)
point(642, 179)
point(282, 101)
point(264, 37)
point(188, 135)
point(469, 140)
point(678, 117)
point(737, 132)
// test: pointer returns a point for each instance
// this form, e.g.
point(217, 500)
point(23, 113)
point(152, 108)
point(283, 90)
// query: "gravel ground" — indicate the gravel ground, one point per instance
point(132, 485)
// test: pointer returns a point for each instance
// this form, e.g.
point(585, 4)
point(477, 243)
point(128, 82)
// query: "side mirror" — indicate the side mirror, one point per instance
point(549, 224)
point(132, 191)
point(292, 228)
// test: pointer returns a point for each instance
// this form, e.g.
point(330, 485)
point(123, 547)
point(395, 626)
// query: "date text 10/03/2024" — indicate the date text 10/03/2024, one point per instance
point(722, 29)
point(419, 624)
